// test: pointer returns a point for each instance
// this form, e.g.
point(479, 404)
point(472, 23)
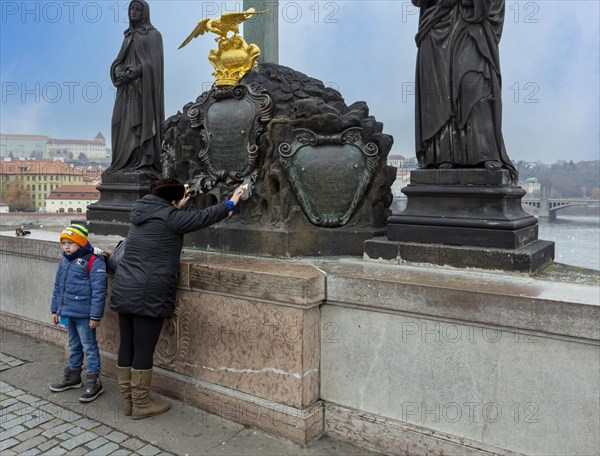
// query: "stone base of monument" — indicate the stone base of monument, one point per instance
point(384, 357)
point(464, 218)
point(118, 191)
point(243, 342)
point(270, 242)
point(530, 258)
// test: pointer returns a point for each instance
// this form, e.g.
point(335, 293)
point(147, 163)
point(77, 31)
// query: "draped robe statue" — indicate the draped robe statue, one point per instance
point(458, 111)
point(139, 112)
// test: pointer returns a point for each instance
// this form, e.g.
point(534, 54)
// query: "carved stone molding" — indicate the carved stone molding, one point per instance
point(175, 337)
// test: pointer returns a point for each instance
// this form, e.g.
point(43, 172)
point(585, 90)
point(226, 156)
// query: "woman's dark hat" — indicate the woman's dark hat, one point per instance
point(168, 189)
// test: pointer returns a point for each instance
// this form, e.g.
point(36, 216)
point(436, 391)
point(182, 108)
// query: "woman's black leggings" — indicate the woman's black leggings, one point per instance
point(139, 336)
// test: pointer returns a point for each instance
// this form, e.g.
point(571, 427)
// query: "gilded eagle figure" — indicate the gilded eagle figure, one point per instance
point(234, 57)
point(228, 22)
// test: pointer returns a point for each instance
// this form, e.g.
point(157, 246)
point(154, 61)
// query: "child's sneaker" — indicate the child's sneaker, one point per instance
point(71, 379)
point(93, 387)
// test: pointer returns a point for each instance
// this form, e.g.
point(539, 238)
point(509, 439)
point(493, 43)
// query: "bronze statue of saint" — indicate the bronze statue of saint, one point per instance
point(139, 111)
point(458, 109)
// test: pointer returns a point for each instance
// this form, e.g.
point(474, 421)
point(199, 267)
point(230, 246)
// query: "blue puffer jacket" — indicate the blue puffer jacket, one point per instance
point(77, 293)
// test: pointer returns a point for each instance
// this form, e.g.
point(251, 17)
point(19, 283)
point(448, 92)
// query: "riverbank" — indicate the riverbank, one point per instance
point(37, 220)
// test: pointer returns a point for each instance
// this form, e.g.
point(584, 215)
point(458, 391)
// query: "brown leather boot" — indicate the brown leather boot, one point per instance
point(143, 406)
point(124, 379)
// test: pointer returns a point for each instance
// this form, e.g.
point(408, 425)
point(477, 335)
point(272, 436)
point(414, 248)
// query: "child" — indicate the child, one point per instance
point(78, 303)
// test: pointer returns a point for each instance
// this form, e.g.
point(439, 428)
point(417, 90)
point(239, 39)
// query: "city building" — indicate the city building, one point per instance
point(401, 162)
point(396, 160)
point(45, 147)
point(532, 186)
point(71, 198)
point(26, 183)
point(73, 149)
point(93, 174)
point(23, 146)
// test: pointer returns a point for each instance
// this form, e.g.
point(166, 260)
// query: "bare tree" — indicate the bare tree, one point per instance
point(17, 198)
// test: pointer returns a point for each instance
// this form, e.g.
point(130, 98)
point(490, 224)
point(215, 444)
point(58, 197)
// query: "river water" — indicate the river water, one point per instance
point(577, 239)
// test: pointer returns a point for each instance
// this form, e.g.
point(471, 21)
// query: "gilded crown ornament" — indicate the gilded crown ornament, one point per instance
point(234, 57)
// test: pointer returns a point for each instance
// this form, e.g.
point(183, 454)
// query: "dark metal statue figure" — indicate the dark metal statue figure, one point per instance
point(139, 110)
point(458, 104)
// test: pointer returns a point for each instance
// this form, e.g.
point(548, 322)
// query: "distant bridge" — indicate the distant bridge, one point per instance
point(548, 207)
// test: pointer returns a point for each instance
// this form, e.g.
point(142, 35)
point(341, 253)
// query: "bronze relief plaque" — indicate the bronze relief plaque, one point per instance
point(230, 119)
point(329, 173)
point(229, 124)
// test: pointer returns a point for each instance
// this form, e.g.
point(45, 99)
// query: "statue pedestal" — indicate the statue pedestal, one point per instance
point(243, 342)
point(266, 242)
point(118, 192)
point(464, 218)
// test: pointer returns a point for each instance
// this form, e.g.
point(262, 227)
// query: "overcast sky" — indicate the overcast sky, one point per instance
point(55, 59)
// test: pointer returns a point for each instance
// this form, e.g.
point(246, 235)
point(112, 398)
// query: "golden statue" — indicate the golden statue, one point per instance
point(235, 57)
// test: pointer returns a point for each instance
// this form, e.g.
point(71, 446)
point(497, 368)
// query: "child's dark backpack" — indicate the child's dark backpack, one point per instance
point(113, 260)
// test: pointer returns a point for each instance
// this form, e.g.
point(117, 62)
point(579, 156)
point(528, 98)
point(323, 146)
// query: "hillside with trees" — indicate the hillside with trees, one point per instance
point(564, 178)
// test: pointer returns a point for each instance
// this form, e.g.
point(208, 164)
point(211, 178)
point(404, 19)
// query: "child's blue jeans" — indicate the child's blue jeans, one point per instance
point(82, 339)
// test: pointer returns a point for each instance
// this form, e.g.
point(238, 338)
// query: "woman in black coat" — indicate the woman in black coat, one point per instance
point(144, 285)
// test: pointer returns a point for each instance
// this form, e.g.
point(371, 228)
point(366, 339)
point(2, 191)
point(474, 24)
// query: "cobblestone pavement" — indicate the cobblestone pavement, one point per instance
point(7, 361)
point(34, 420)
point(30, 425)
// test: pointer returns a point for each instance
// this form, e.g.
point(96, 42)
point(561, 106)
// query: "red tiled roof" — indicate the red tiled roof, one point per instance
point(98, 139)
point(75, 192)
point(4, 135)
point(38, 167)
point(53, 141)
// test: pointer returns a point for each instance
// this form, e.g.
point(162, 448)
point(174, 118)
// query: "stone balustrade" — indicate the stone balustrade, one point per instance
point(400, 359)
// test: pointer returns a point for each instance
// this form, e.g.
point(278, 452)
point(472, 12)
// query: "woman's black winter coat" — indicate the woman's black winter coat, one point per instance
point(146, 279)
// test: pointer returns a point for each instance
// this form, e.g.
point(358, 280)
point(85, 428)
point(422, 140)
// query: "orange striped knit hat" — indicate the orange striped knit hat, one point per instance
point(76, 233)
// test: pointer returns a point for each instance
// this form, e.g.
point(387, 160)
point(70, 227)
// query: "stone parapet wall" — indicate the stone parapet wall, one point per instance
point(505, 362)
point(244, 340)
point(400, 359)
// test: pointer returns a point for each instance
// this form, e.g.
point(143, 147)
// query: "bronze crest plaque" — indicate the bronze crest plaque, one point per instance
point(230, 120)
point(329, 173)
